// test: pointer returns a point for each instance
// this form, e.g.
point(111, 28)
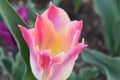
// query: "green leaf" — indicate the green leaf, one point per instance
point(31, 12)
point(73, 76)
point(88, 73)
point(0, 18)
point(56, 2)
point(13, 69)
point(1, 53)
point(117, 36)
point(77, 4)
point(12, 19)
point(118, 4)
point(107, 65)
point(85, 73)
point(109, 11)
point(6, 63)
point(18, 68)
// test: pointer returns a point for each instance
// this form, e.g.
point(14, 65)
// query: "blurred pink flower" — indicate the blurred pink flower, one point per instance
point(4, 31)
point(53, 44)
point(6, 35)
point(23, 12)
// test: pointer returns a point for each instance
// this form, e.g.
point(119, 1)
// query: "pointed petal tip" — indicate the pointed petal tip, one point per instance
point(83, 42)
point(85, 45)
point(38, 14)
point(21, 26)
point(79, 25)
point(81, 21)
point(51, 4)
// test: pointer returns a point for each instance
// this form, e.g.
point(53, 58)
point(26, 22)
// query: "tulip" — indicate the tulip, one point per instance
point(4, 31)
point(53, 44)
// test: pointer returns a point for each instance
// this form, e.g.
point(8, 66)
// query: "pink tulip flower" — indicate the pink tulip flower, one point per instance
point(53, 44)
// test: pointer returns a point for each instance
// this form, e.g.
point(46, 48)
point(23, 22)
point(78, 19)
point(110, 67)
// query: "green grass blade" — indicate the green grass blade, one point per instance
point(107, 65)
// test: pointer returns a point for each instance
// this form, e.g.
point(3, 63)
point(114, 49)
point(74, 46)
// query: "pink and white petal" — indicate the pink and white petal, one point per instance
point(57, 15)
point(45, 62)
point(38, 31)
point(58, 58)
point(27, 35)
point(44, 31)
point(75, 38)
point(65, 68)
point(70, 33)
point(37, 72)
point(72, 27)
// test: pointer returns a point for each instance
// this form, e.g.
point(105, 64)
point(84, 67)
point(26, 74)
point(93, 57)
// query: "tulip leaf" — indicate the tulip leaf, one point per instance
point(56, 2)
point(1, 54)
point(13, 69)
point(85, 73)
point(18, 68)
point(117, 36)
point(77, 4)
point(118, 4)
point(109, 11)
point(31, 12)
point(88, 73)
point(107, 65)
point(12, 19)
point(6, 63)
point(0, 18)
point(73, 76)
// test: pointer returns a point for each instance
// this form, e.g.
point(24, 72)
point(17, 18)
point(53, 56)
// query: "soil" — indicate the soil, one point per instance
point(92, 28)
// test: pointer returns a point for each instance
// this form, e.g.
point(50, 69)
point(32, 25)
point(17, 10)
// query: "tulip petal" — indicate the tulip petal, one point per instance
point(44, 30)
point(27, 35)
point(45, 62)
point(38, 73)
point(72, 27)
point(75, 39)
point(68, 62)
point(57, 15)
point(71, 34)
